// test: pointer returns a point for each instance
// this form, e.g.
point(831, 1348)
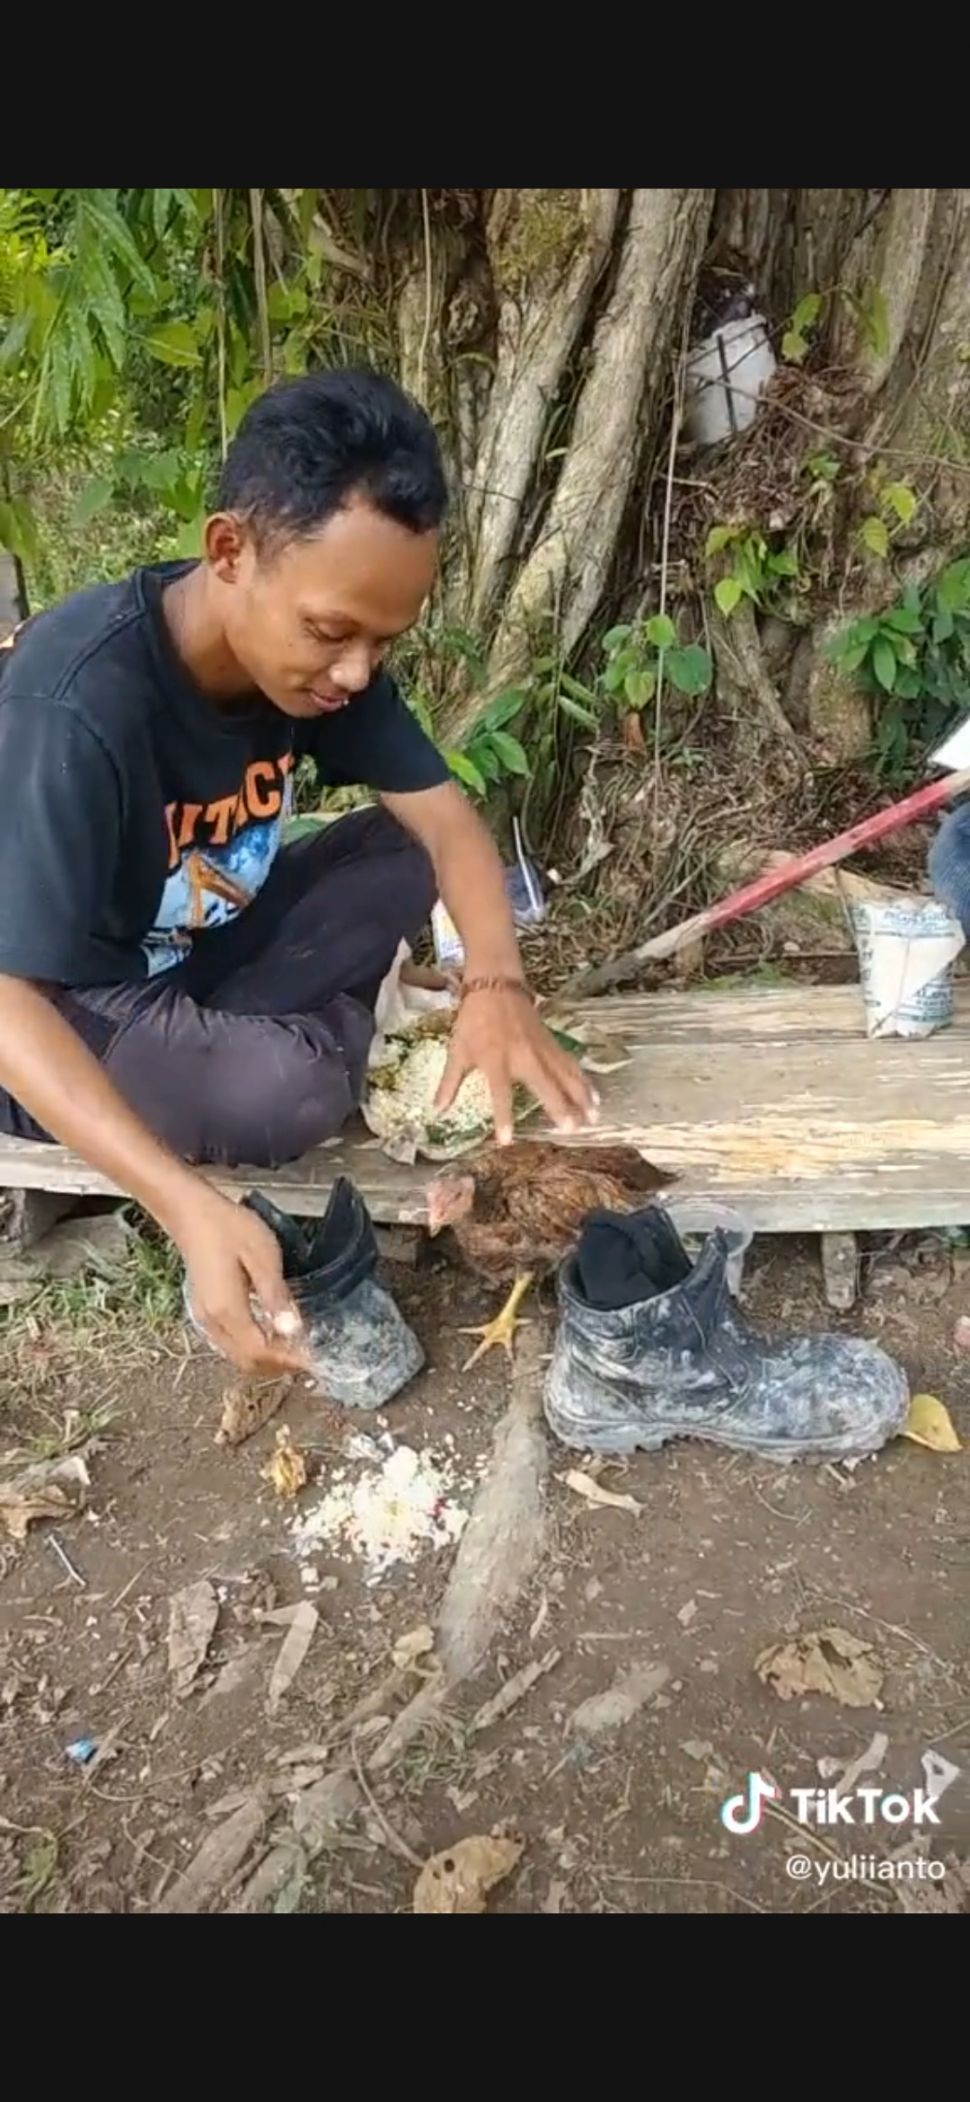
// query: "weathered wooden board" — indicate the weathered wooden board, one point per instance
point(771, 1098)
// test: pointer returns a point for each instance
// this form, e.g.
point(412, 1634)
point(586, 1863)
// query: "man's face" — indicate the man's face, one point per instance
point(309, 620)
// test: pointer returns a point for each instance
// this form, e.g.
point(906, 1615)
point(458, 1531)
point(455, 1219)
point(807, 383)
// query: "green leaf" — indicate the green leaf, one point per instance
point(640, 685)
point(807, 312)
point(719, 537)
point(727, 595)
point(903, 620)
point(953, 586)
point(901, 499)
point(94, 495)
point(614, 637)
point(577, 691)
point(793, 346)
point(690, 669)
point(884, 662)
point(464, 769)
point(509, 751)
point(822, 467)
point(853, 655)
point(660, 631)
point(908, 683)
point(504, 709)
point(577, 713)
point(279, 303)
point(161, 207)
point(96, 212)
point(943, 624)
point(614, 675)
point(784, 564)
point(874, 535)
point(18, 533)
point(173, 343)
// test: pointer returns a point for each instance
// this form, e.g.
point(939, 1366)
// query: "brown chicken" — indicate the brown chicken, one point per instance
point(516, 1211)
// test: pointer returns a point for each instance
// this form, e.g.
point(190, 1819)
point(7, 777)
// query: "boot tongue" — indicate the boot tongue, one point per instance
point(626, 1257)
point(335, 1252)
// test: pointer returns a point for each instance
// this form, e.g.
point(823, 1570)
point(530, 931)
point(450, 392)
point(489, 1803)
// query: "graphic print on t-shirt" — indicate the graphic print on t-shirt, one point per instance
point(220, 854)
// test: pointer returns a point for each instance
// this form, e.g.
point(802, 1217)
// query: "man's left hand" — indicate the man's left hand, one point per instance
point(498, 1033)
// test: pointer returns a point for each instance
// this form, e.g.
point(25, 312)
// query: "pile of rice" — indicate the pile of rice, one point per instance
point(401, 1092)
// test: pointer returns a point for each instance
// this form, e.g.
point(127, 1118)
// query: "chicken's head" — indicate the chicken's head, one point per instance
point(450, 1198)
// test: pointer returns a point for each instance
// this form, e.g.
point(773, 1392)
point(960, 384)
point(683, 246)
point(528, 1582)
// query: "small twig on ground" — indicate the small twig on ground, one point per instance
point(132, 1581)
point(397, 1845)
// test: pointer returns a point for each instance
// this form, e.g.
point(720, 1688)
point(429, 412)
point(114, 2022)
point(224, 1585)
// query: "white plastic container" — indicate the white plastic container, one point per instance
point(726, 373)
point(907, 949)
point(696, 1217)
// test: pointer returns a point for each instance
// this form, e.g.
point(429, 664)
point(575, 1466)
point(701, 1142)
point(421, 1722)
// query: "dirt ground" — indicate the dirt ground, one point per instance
point(723, 1558)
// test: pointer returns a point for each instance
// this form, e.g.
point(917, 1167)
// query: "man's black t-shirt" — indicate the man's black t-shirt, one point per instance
point(134, 811)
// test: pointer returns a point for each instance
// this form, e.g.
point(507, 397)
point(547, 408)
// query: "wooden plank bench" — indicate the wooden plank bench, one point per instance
point(771, 1098)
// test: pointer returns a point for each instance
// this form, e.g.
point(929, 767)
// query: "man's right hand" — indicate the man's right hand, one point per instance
point(230, 1254)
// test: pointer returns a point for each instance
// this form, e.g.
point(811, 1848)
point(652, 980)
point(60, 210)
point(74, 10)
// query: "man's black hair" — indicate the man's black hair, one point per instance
point(307, 445)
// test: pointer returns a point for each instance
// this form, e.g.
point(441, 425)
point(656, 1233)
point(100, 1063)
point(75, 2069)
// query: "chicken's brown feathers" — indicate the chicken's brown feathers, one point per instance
point(532, 1197)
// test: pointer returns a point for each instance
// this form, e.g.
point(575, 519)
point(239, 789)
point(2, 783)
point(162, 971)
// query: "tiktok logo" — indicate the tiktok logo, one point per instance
point(742, 1813)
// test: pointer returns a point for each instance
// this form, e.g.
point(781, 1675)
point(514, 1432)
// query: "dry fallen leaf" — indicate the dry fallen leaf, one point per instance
point(408, 1648)
point(928, 1423)
point(585, 1485)
point(460, 1877)
point(622, 1700)
point(218, 1859)
point(828, 1661)
point(51, 1489)
point(293, 1649)
point(287, 1468)
point(192, 1616)
point(246, 1408)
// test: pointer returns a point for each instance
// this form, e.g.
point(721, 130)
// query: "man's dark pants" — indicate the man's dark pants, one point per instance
point(255, 1049)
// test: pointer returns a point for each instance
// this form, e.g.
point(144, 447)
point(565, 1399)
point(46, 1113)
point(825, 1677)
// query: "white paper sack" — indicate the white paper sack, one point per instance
point(907, 949)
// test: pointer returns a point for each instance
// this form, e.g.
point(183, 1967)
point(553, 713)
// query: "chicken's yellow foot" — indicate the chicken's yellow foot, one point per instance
point(502, 1329)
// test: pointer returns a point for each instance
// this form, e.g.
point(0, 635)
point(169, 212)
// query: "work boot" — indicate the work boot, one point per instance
point(362, 1350)
point(361, 1347)
point(681, 1362)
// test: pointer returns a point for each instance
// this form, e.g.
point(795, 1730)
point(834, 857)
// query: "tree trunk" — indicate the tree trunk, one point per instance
point(545, 330)
point(566, 562)
point(913, 258)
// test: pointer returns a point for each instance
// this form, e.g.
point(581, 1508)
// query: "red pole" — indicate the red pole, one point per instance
point(773, 885)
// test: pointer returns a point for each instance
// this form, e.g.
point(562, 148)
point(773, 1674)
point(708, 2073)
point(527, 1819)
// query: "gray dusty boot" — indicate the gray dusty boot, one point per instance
point(684, 1364)
point(362, 1350)
point(361, 1347)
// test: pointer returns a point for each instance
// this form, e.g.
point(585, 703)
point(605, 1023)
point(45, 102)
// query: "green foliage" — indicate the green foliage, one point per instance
point(144, 308)
point(914, 659)
point(635, 652)
point(794, 342)
point(869, 313)
point(898, 505)
point(752, 568)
